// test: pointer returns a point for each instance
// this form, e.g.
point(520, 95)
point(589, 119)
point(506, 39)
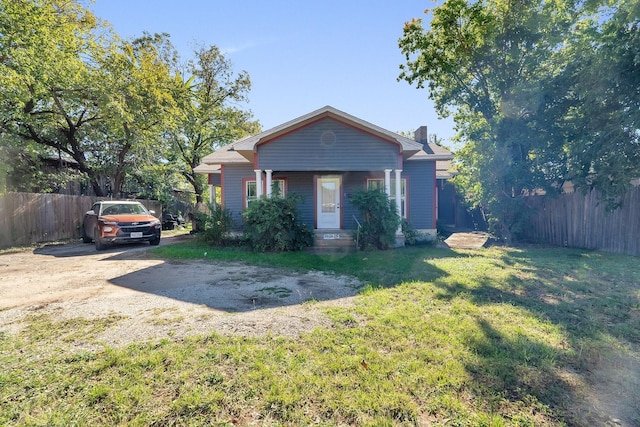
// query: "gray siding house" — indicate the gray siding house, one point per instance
point(325, 156)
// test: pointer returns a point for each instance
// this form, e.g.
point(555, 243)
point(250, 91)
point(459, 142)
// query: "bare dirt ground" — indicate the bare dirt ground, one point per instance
point(152, 299)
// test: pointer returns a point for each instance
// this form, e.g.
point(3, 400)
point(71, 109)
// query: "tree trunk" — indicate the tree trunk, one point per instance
point(96, 187)
point(198, 188)
point(120, 173)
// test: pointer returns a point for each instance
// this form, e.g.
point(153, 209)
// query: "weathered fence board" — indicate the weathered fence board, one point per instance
point(28, 218)
point(582, 221)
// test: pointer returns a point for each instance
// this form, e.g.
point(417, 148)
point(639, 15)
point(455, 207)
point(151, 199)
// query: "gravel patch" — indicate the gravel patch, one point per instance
point(152, 299)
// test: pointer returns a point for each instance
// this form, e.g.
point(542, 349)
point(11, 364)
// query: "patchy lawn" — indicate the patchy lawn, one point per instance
point(499, 336)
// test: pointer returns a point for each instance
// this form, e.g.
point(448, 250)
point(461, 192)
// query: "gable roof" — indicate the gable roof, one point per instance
point(249, 144)
point(242, 151)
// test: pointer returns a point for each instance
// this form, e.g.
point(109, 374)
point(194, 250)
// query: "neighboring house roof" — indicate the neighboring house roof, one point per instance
point(205, 168)
point(444, 169)
point(242, 151)
point(432, 152)
point(222, 155)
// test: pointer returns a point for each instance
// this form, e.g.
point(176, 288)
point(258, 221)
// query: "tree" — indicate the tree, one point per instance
point(46, 95)
point(70, 87)
point(118, 109)
point(138, 77)
point(510, 73)
point(602, 122)
point(208, 116)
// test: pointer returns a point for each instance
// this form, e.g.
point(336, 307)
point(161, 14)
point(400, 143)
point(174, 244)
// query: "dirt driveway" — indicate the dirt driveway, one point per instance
point(151, 298)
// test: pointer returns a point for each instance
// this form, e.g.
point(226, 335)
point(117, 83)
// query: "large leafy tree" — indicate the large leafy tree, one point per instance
point(69, 86)
point(46, 86)
point(117, 110)
point(601, 126)
point(139, 106)
point(209, 115)
point(511, 73)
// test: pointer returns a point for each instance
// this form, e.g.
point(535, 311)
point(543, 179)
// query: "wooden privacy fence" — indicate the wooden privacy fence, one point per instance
point(28, 218)
point(582, 221)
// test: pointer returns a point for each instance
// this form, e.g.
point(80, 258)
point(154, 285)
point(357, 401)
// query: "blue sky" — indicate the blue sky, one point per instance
point(300, 55)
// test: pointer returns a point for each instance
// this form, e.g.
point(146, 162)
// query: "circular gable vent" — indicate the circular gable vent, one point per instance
point(328, 138)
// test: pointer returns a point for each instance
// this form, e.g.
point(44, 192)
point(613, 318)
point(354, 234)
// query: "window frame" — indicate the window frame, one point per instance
point(246, 200)
point(404, 208)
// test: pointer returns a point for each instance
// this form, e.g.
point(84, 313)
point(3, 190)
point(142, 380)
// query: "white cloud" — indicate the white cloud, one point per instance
point(247, 45)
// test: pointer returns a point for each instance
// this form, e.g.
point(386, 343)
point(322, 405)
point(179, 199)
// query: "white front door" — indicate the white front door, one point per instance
point(328, 201)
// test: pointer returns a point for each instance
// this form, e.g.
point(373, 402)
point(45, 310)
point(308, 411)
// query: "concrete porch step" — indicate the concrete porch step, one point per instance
point(334, 239)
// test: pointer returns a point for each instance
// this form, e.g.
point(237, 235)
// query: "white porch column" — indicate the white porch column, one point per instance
point(387, 182)
point(398, 192)
point(212, 195)
point(269, 172)
point(258, 182)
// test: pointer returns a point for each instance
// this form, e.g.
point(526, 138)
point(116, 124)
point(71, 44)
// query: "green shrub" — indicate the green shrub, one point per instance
point(214, 228)
point(380, 219)
point(411, 235)
point(273, 224)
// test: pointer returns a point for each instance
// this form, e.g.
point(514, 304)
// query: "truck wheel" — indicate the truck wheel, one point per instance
point(85, 238)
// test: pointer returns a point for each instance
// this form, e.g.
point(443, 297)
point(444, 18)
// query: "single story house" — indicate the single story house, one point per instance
point(325, 156)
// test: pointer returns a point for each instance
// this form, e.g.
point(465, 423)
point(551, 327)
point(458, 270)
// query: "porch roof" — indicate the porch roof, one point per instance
point(223, 155)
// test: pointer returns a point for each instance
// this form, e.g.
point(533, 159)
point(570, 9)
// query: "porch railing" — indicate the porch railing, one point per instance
point(357, 232)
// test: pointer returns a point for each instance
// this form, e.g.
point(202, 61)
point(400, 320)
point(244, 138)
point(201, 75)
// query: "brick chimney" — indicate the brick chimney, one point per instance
point(421, 135)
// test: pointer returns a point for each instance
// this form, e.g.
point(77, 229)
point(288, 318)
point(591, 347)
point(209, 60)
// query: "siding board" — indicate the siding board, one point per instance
point(234, 191)
point(328, 146)
point(301, 183)
point(420, 182)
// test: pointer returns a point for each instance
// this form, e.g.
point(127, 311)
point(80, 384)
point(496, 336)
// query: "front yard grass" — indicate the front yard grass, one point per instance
point(497, 337)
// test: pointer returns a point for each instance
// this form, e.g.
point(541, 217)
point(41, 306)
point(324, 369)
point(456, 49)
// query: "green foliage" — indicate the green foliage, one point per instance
point(33, 171)
point(208, 117)
point(156, 181)
point(70, 85)
point(380, 219)
point(273, 224)
point(542, 93)
point(215, 226)
point(139, 108)
point(48, 93)
point(411, 235)
point(601, 111)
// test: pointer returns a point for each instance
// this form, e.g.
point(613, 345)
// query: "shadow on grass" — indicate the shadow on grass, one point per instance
point(594, 299)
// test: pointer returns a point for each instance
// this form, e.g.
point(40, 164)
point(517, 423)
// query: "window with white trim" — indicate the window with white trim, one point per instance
point(250, 193)
point(378, 184)
point(251, 190)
